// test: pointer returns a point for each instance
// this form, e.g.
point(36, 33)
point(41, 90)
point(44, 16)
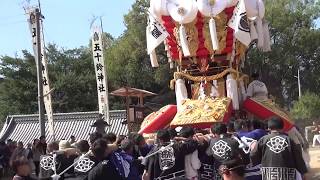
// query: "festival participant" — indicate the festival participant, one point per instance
point(127, 147)
point(166, 160)
point(105, 169)
point(232, 170)
point(141, 149)
point(82, 147)
point(93, 137)
point(241, 127)
point(120, 138)
point(22, 169)
point(278, 155)
point(223, 147)
point(65, 158)
point(249, 139)
point(192, 162)
point(110, 137)
point(256, 88)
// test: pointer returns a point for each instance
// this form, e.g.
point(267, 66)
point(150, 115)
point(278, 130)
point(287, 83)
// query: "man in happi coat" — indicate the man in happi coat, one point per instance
point(224, 147)
point(166, 159)
point(257, 89)
point(280, 157)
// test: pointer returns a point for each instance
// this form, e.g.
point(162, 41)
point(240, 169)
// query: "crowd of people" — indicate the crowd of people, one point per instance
point(239, 150)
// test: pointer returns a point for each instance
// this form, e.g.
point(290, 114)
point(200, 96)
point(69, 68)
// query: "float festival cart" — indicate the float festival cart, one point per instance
point(206, 42)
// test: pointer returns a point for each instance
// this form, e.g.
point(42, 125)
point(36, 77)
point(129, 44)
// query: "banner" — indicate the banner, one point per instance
point(239, 23)
point(156, 34)
point(45, 78)
point(99, 66)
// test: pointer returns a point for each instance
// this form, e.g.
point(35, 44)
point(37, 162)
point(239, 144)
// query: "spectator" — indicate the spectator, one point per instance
point(72, 139)
point(316, 135)
point(19, 152)
point(4, 155)
point(42, 146)
point(110, 137)
point(105, 169)
point(22, 169)
point(36, 155)
point(53, 147)
point(278, 154)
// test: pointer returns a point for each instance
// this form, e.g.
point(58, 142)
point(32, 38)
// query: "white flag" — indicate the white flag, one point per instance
point(156, 34)
point(239, 23)
point(100, 69)
point(45, 78)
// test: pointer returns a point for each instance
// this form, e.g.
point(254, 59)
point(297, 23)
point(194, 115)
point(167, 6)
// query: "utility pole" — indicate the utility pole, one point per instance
point(39, 73)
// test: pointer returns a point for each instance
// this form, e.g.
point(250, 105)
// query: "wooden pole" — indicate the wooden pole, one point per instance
point(39, 74)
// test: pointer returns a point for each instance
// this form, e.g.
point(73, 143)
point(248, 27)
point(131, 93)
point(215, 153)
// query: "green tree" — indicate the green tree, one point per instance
point(307, 108)
point(18, 88)
point(127, 61)
point(295, 44)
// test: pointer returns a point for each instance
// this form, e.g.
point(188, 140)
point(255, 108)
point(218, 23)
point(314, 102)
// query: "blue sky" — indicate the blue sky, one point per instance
point(66, 22)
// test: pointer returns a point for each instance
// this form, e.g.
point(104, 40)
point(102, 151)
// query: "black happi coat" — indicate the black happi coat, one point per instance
point(279, 156)
point(181, 149)
point(104, 170)
point(225, 148)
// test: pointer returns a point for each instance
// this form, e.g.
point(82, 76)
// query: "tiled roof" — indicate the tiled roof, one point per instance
point(25, 128)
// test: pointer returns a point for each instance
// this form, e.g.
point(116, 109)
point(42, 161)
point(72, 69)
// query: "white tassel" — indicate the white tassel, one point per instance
point(202, 94)
point(153, 59)
point(260, 32)
point(232, 91)
point(214, 89)
point(253, 31)
point(181, 93)
point(184, 41)
point(171, 64)
point(213, 34)
point(266, 38)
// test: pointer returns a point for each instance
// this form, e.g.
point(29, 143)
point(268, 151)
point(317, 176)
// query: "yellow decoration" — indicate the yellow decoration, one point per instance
point(192, 36)
point(207, 110)
point(221, 24)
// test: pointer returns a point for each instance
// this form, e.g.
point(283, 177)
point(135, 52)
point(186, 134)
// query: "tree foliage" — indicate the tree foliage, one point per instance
point(295, 44)
point(307, 108)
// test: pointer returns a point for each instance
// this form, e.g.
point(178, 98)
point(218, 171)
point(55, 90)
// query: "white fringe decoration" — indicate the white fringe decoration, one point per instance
point(154, 59)
point(232, 91)
point(266, 37)
point(260, 33)
point(253, 31)
point(213, 34)
point(184, 41)
point(181, 93)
